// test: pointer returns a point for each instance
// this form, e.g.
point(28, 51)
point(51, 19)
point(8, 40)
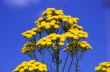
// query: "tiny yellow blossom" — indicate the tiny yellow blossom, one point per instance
point(56, 26)
point(47, 27)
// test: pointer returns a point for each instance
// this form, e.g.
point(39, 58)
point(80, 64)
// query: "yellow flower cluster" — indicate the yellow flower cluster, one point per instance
point(31, 66)
point(83, 45)
point(75, 33)
point(47, 24)
point(30, 33)
point(28, 47)
point(52, 13)
point(52, 18)
point(48, 40)
point(69, 47)
point(103, 67)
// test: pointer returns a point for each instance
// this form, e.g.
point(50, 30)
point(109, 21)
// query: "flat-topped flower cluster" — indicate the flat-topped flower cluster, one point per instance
point(103, 67)
point(31, 66)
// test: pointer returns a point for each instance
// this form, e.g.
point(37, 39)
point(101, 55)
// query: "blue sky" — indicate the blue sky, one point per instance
point(17, 17)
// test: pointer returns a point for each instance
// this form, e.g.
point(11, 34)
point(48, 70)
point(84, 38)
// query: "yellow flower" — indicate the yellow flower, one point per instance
point(64, 19)
point(49, 15)
point(26, 68)
point(32, 61)
point(49, 43)
point(48, 9)
point(59, 12)
point(47, 27)
point(70, 20)
point(21, 70)
point(75, 20)
point(48, 40)
point(40, 19)
point(61, 43)
point(80, 27)
point(82, 45)
point(39, 30)
point(75, 37)
point(53, 34)
point(41, 69)
point(62, 39)
point(49, 12)
point(29, 64)
point(34, 29)
point(56, 17)
point(108, 69)
point(104, 69)
point(108, 65)
point(43, 43)
point(86, 35)
point(43, 23)
point(54, 38)
point(45, 69)
point(37, 63)
point(56, 26)
point(49, 18)
point(33, 33)
point(24, 50)
point(53, 9)
point(15, 70)
point(97, 68)
point(53, 21)
point(28, 36)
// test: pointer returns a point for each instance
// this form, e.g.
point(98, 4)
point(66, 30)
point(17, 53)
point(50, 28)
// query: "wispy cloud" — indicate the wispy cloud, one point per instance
point(20, 3)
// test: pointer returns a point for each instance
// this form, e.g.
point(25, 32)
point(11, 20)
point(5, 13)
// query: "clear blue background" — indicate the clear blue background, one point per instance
point(15, 20)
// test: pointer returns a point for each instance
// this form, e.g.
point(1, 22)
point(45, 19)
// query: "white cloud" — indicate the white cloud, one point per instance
point(20, 3)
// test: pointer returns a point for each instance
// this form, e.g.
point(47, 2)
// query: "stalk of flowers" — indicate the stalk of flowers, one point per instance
point(82, 45)
point(103, 67)
point(31, 66)
point(30, 33)
point(49, 40)
point(75, 36)
point(28, 47)
point(52, 41)
point(51, 25)
point(75, 33)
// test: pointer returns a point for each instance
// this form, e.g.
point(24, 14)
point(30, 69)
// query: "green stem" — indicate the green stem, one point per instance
point(77, 62)
point(30, 55)
point(35, 56)
point(70, 64)
point(57, 60)
point(43, 56)
point(65, 62)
